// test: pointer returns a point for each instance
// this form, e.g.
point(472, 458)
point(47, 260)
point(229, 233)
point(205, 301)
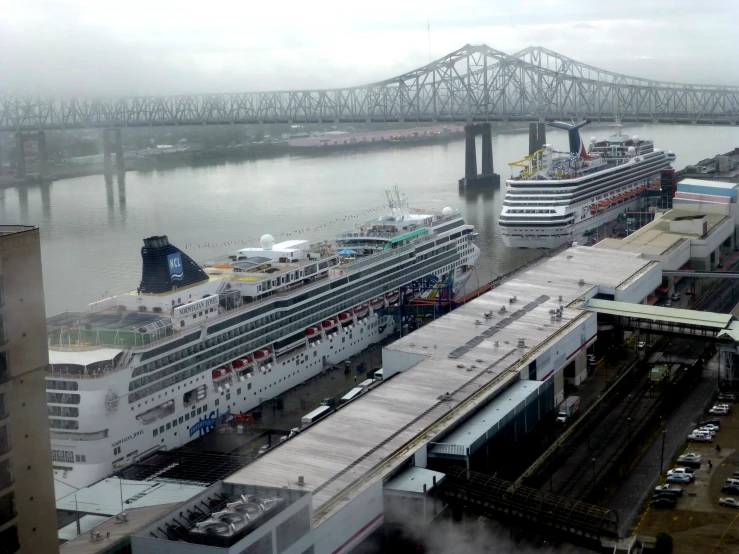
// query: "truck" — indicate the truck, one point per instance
point(659, 373)
point(568, 408)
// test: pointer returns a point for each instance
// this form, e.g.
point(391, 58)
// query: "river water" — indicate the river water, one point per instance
point(92, 233)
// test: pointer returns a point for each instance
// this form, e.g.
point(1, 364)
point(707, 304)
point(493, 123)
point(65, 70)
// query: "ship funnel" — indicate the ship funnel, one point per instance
point(576, 144)
point(164, 267)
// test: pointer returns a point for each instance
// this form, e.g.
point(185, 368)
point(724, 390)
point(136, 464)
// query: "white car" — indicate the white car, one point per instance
point(730, 502)
point(711, 432)
point(700, 437)
point(710, 426)
point(641, 345)
point(678, 478)
point(263, 450)
point(717, 410)
point(722, 405)
point(690, 457)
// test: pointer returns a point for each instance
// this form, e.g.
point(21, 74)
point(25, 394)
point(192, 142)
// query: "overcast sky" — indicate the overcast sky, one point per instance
point(155, 46)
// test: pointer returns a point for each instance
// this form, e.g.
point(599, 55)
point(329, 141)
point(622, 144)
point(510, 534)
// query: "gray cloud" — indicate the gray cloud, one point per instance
point(91, 47)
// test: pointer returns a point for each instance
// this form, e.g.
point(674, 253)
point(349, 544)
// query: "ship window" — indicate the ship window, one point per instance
point(161, 429)
point(248, 386)
point(181, 420)
point(169, 426)
point(187, 417)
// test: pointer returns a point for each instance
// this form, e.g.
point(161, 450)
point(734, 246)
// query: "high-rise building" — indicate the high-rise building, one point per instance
point(27, 506)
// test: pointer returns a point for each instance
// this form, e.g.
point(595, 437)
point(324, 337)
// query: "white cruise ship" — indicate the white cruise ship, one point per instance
point(559, 195)
point(156, 367)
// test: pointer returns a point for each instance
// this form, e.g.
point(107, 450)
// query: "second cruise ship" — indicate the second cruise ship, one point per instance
point(559, 195)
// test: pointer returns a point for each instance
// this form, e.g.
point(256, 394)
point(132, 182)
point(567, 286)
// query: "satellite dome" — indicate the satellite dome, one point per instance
point(267, 242)
point(632, 151)
point(592, 140)
point(635, 138)
point(447, 211)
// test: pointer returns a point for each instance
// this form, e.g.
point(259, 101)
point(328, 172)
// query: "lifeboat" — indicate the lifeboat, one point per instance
point(329, 323)
point(236, 364)
point(312, 331)
point(593, 208)
point(261, 354)
point(222, 266)
point(377, 303)
point(603, 205)
point(361, 311)
point(345, 318)
point(220, 372)
point(392, 297)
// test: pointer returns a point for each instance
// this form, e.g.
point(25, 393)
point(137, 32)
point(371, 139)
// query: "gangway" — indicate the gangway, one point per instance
point(690, 274)
point(497, 497)
point(662, 320)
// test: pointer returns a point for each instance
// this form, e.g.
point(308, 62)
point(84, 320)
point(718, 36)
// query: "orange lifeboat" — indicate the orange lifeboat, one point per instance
point(222, 266)
point(220, 372)
point(593, 208)
point(261, 354)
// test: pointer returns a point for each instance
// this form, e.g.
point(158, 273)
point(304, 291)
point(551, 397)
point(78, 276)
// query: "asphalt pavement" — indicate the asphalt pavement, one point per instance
point(634, 490)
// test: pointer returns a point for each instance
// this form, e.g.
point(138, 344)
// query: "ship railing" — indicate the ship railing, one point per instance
point(66, 374)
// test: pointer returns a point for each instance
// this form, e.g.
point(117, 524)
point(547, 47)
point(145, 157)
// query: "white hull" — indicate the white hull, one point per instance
point(79, 463)
point(553, 237)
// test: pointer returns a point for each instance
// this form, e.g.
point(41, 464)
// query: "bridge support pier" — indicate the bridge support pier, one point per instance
point(21, 169)
point(537, 136)
point(108, 154)
point(471, 177)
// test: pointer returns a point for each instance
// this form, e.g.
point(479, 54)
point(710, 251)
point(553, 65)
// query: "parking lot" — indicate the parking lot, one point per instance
point(698, 523)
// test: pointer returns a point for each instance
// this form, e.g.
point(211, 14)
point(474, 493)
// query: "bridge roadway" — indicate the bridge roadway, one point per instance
point(474, 83)
point(345, 458)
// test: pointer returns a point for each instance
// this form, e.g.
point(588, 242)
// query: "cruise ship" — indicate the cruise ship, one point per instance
point(559, 195)
point(157, 367)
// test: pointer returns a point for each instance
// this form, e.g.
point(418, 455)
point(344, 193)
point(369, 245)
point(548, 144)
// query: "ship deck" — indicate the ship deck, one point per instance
point(368, 439)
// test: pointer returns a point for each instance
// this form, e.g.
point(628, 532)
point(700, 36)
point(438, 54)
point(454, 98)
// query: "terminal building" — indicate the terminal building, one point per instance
point(462, 387)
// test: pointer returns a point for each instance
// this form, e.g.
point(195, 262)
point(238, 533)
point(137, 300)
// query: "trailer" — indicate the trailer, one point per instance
point(568, 408)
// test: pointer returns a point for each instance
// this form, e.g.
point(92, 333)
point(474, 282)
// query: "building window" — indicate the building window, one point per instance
point(68, 424)
point(4, 370)
point(64, 456)
point(7, 508)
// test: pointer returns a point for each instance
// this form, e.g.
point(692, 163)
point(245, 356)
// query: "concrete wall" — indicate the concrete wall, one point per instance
point(22, 309)
point(702, 248)
point(637, 290)
point(352, 524)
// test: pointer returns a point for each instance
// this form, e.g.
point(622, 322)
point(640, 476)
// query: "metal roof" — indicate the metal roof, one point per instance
point(83, 357)
point(659, 313)
point(104, 497)
point(487, 420)
point(412, 481)
point(369, 438)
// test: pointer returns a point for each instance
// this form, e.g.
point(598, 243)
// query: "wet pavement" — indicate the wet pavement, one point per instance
point(276, 421)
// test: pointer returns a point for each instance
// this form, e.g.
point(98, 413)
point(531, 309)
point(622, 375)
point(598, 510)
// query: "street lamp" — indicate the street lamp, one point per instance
point(662, 455)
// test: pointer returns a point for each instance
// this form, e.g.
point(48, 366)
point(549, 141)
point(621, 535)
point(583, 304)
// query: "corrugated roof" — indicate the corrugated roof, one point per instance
point(660, 313)
point(104, 497)
point(413, 479)
point(487, 419)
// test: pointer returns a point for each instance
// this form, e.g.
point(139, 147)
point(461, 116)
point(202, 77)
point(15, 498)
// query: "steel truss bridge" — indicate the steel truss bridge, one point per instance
point(472, 84)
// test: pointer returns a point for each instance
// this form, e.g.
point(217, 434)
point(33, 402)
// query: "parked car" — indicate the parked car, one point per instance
point(722, 405)
point(689, 457)
point(263, 450)
point(730, 502)
point(641, 345)
point(727, 397)
point(678, 478)
point(668, 489)
point(709, 426)
point(664, 502)
point(668, 303)
point(714, 421)
point(730, 489)
point(689, 471)
point(676, 296)
point(328, 402)
point(711, 431)
point(700, 437)
point(718, 410)
point(294, 431)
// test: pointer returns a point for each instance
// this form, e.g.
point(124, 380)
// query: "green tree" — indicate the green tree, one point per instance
point(663, 543)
